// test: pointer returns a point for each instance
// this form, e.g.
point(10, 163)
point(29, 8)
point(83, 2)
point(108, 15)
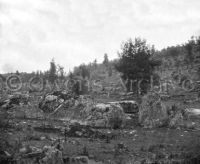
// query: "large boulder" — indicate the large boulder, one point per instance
point(105, 115)
point(152, 112)
point(49, 103)
point(156, 113)
point(129, 106)
point(53, 101)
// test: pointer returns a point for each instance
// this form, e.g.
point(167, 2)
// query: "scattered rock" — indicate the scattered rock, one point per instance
point(76, 160)
point(15, 99)
point(56, 100)
point(52, 156)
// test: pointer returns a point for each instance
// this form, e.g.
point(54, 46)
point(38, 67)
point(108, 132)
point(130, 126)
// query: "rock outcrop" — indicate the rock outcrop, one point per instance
point(105, 115)
point(152, 112)
point(156, 113)
point(54, 101)
point(129, 106)
point(16, 99)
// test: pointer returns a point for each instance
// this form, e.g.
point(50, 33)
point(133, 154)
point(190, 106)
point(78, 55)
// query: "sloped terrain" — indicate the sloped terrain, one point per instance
point(31, 129)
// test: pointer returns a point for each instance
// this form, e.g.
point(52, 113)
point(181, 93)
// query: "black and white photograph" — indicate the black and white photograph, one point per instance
point(99, 82)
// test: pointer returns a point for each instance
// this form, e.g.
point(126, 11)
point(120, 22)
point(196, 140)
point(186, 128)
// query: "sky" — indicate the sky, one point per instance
point(32, 32)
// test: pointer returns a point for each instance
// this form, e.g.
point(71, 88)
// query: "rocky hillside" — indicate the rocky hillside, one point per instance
point(179, 69)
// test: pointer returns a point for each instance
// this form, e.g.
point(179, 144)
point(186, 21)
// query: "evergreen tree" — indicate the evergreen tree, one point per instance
point(106, 61)
point(95, 63)
point(61, 72)
point(52, 72)
point(135, 62)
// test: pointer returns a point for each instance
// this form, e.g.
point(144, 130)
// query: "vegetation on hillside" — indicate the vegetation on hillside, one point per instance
point(137, 61)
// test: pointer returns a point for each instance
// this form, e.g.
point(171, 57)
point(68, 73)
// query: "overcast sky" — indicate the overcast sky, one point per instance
point(32, 32)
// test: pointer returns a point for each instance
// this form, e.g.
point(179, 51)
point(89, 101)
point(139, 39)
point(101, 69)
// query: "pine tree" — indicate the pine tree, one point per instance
point(52, 72)
point(106, 61)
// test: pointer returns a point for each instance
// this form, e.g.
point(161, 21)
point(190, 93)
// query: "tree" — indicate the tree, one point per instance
point(17, 72)
point(95, 63)
point(61, 71)
point(52, 72)
point(189, 58)
point(73, 84)
point(106, 61)
point(135, 62)
point(71, 75)
point(82, 71)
